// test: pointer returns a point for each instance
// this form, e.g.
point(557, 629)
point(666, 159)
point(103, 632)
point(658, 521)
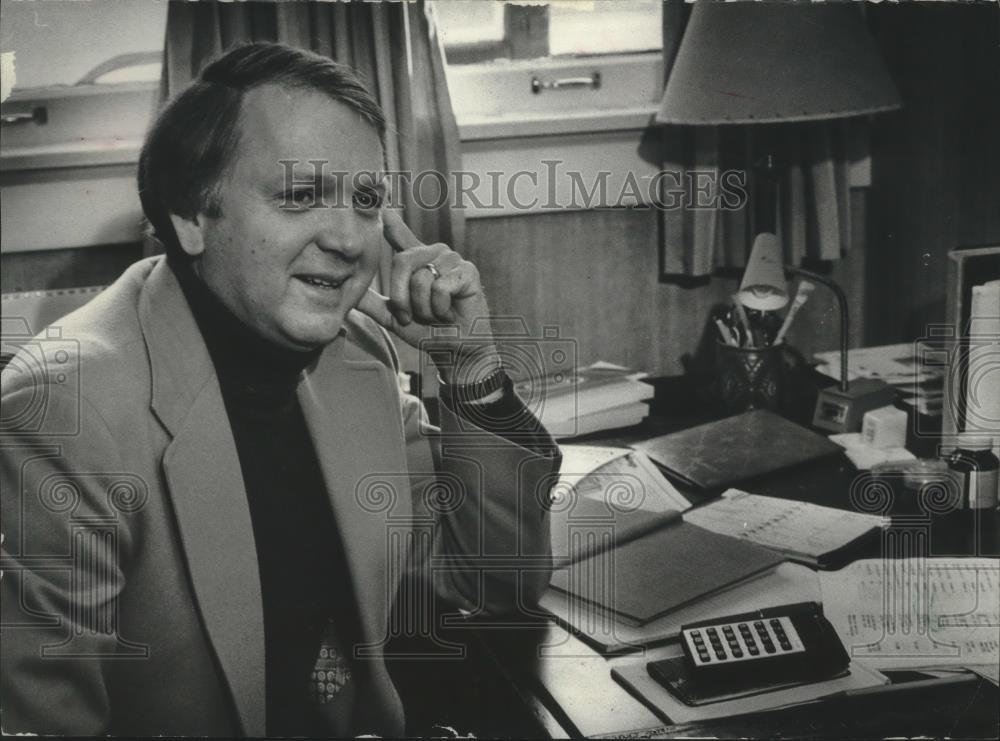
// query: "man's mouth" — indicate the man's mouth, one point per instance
point(319, 281)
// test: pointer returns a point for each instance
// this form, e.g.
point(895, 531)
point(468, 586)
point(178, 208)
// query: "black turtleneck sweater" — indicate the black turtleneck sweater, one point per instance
point(304, 579)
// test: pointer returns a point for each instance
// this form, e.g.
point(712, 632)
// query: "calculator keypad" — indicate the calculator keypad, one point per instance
point(743, 641)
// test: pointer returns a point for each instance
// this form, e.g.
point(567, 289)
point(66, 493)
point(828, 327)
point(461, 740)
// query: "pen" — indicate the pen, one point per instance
point(801, 296)
point(741, 314)
point(727, 337)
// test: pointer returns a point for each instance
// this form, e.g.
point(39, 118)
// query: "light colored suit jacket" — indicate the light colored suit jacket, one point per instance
point(131, 594)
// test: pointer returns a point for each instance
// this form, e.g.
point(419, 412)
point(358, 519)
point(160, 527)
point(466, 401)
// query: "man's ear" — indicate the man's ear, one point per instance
point(189, 234)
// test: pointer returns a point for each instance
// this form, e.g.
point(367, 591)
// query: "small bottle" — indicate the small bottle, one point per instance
point(977, 467)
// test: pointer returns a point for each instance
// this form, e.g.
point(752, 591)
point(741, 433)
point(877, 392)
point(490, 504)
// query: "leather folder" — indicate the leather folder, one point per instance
point(730, 451)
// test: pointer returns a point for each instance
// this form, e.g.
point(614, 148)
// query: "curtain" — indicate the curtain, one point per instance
point(392, 46)
point(813, 199)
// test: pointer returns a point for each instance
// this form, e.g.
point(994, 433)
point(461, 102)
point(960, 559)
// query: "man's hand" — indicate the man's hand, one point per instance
point(419, 298)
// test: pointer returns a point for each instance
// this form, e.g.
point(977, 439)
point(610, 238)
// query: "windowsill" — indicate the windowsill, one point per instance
point(478, 128)
point(71, 154)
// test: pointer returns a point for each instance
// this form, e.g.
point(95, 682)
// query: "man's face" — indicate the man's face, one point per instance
point(287, 268)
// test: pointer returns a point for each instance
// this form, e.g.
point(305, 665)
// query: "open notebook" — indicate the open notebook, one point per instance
point(622, 548)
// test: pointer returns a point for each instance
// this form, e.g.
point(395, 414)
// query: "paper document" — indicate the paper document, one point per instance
point(914, 613)
point(901, 364)
point(865, 456)
point(625, 478)
point(802, 531)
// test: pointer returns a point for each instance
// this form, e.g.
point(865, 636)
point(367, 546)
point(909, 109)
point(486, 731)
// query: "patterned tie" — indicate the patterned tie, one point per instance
point(332, 672)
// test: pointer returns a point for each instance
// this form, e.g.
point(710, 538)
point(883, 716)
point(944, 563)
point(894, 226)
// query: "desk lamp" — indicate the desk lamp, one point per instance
point(839, 409)
point(771, 63)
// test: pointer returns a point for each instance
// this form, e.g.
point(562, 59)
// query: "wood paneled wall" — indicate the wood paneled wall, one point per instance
point(593, 274)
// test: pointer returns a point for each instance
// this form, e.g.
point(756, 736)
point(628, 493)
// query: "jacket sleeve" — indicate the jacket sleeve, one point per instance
point(489, 503)
point(61, 575)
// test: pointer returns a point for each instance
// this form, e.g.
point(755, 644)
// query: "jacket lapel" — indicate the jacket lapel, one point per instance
point(351, 408)
point(206, 488)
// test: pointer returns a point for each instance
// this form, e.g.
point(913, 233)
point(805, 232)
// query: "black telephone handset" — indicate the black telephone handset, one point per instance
point(753, 652)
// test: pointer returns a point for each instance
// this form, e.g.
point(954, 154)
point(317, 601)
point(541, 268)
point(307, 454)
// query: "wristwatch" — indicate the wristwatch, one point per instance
point(471, 393)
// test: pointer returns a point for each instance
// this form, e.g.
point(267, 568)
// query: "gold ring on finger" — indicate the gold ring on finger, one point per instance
point(433, 270)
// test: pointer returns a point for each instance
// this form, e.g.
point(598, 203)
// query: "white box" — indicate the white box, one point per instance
point(884, 427)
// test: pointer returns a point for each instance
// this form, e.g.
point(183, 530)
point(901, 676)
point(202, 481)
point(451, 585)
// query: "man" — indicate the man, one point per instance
point(205, 532)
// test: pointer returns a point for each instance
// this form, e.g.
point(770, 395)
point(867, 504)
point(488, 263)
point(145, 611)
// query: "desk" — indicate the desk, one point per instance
point(569, 689)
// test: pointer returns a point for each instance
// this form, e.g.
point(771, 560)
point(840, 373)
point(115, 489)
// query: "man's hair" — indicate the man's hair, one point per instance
point(195, 137)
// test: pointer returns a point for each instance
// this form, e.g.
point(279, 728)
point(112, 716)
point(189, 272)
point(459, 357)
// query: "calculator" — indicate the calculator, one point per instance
point(741, 641)
point(782, 646)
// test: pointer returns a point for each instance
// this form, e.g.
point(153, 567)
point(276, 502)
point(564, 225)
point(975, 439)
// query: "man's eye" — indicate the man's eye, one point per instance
point(367, 199)
point(300, 198)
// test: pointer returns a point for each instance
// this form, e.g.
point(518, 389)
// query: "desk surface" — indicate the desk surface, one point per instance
point(569, 689)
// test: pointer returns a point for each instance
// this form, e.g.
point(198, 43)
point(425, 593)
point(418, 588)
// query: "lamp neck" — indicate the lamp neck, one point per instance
point(844, 323)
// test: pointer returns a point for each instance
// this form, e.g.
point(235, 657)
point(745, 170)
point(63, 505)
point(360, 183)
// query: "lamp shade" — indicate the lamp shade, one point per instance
point(767, 62)
point(764, 286)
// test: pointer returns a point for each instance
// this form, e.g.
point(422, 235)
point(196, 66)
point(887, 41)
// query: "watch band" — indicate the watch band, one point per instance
point(470, 393)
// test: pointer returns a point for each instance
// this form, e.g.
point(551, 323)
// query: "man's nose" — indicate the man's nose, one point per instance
point(342, 231)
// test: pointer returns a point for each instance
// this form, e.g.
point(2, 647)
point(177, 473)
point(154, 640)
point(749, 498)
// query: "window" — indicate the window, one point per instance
point(476, 31)
point(86, 79)
point(86, 84)
point(526, 69)
point(79, 43)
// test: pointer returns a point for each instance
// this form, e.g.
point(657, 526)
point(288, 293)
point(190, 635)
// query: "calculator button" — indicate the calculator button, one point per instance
point(769, 647)
point(728, 631)
point(753, 650)
point(738, 652)
point(720, 653)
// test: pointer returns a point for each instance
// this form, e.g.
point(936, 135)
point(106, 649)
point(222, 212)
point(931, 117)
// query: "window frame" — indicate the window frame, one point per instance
point(495, 101)
point(480, 73)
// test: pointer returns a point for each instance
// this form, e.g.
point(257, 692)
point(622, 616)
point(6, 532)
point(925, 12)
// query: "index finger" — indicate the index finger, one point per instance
point(397, 233)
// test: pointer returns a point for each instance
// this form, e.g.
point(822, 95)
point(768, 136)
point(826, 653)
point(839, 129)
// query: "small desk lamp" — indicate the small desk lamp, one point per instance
point(774, 63)
point(839, 409)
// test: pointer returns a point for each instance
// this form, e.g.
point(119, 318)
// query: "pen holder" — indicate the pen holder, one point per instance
point(749, 377)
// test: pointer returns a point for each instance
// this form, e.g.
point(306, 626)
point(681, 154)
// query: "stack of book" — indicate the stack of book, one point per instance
point(601, 396)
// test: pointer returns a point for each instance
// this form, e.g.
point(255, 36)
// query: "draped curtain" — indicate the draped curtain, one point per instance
point(394, 48)
point(814, 220)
